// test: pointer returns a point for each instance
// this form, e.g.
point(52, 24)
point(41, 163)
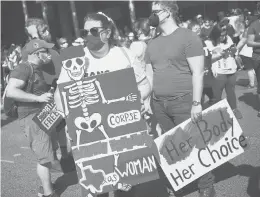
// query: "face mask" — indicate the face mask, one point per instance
point(94, 43)
point(154, 20)
point(44, 58)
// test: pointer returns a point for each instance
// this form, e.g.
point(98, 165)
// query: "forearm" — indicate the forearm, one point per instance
point(197, 81)
point(22, 96)
point(145, 89)
point(216, 57)
point(253, 44)
point(241, 44)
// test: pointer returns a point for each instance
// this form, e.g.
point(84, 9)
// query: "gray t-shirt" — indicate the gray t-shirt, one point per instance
point(168, 56)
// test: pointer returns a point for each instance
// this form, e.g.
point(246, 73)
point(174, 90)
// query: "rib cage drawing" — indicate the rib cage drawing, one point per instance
point(88, 92)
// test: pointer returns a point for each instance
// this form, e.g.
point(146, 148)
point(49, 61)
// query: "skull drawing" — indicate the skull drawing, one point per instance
point(74, 62)
point(75, 67)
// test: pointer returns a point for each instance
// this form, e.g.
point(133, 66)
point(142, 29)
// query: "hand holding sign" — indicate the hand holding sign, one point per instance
point(45, 98)
point(196, 112)
point(124, 187)
point(189, 150)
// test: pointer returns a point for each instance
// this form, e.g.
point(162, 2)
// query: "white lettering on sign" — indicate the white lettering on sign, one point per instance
point(116, 120)
point(111, 179)
point(44, 112)
point(50, 120)
point(138, 166)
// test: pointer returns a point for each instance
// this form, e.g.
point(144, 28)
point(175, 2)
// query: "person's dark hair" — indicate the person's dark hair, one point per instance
point(238, 11)
point(11, 49)
point(215, 34)
point(171, 6)
point(107, 23)
point(142, 25)
point(192, 24)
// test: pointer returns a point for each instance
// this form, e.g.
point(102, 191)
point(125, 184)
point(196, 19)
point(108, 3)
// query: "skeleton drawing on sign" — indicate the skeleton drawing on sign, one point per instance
point(83, 92)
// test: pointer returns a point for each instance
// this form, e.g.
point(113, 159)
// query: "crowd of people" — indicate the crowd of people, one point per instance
point(178, 67)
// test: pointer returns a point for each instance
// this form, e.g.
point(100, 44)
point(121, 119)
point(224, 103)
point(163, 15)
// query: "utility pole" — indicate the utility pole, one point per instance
point(25, 11)
point(75, 18)
point(44, 12)
point(132, 13)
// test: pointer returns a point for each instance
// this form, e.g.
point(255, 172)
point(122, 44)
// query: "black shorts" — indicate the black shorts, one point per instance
point(248, 62)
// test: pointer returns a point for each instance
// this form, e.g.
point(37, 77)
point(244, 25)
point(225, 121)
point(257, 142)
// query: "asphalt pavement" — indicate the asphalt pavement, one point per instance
point(237, 178)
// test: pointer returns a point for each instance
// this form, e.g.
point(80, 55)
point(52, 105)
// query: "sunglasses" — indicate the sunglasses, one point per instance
point(94, 31)
point(157, 11)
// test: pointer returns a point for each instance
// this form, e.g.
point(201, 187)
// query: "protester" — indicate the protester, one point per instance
point(206, 28)
point(224, 23)
point(30, 100)
point(224, 66)
point(131, 36)
point(208, 76)
point(62, 43)
point(103, 55)
point(254, 41)
point(36, 28)
point(199, 20)
point(177, 58)
point(245, 53)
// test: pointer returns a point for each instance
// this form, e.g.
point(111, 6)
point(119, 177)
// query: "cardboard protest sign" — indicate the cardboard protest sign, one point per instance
point(111, 145)
point(190, 150)
point(47, 118)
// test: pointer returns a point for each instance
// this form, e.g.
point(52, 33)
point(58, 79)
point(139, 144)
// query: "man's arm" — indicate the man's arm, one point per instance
point(197, 68)
point(251, 36)
point(242, 42)
point(251, 41)
point(14, 91)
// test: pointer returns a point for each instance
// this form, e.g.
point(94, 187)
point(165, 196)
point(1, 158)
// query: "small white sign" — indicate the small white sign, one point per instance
point(190, 150)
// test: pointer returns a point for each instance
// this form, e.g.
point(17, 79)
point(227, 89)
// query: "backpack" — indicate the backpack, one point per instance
point(9, 105)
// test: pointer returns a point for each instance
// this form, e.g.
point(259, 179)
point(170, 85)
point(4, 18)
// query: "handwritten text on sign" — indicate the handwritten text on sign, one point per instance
point(47, 119)
point(111, 146)
point(189, 150)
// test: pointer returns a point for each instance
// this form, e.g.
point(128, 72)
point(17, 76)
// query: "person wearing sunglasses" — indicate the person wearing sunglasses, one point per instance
point(177, 58)
point(104, 56)
point(29, 89)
